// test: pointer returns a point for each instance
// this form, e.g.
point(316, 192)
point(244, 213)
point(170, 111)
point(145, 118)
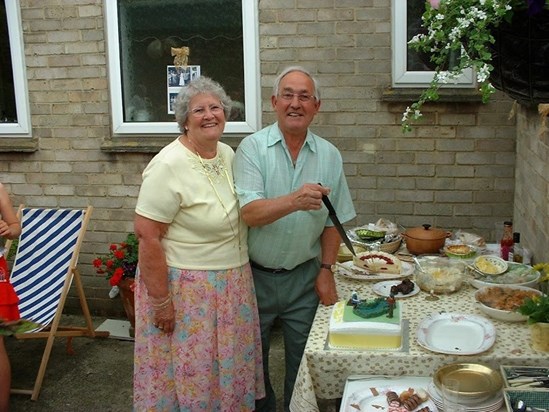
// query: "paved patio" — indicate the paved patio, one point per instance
point(98, 377)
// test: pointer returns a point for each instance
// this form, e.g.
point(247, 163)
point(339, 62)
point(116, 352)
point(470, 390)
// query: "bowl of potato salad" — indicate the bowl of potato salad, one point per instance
point(490, 265)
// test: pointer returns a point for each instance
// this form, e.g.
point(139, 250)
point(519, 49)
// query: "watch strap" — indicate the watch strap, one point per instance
point(326, 266)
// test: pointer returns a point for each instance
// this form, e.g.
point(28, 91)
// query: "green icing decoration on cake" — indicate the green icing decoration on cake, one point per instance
point(375, 310)
point(371, 308)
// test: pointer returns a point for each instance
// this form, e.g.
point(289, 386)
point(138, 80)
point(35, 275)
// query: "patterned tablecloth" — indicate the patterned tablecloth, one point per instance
point(323, 371)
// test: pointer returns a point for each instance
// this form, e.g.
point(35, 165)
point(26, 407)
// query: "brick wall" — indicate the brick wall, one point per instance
point(455, 170)
point(531, 206)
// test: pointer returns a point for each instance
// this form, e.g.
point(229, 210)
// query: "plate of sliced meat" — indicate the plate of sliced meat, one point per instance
point(390, 399)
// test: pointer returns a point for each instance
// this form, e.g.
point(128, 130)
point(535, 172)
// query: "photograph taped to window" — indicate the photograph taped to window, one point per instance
point(179, 77)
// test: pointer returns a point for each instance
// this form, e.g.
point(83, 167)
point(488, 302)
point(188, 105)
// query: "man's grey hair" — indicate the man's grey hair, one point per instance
point(301, 69)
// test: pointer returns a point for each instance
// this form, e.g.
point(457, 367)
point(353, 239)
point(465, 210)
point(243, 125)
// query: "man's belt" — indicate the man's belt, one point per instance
point(269, 270)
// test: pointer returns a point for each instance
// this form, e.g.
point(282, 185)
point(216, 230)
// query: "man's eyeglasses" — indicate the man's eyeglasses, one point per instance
point(201, 111)
point(300, 96)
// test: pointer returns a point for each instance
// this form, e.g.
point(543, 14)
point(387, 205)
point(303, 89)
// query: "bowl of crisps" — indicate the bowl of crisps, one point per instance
point(490, 265)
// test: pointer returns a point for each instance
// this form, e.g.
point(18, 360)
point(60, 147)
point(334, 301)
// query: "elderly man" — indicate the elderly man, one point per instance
point(281, 173)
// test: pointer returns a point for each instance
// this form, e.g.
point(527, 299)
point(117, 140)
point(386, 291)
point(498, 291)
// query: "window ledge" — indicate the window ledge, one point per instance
point(147, 144)
point(135, 144)
point(453, 95)
point(14, 144)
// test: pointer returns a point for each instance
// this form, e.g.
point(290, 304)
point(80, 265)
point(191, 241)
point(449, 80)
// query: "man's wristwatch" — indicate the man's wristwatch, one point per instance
point(327, 266)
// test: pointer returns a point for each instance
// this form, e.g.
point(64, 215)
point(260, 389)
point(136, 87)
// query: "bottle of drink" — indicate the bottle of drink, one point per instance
point(506, 242)
point(517, 249)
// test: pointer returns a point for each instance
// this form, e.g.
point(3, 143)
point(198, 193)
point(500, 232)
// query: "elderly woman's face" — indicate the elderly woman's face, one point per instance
point(206, 119)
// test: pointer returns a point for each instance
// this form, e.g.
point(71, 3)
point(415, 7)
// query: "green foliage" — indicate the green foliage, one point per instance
point(536, 308)
point(459, 28)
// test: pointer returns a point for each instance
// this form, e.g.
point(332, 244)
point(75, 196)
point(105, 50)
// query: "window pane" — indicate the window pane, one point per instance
point(416, 61)
point(410, 68)
point(8, 110)
point(150, 30)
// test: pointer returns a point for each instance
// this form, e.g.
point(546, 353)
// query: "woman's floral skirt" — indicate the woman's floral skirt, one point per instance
point(212, 361)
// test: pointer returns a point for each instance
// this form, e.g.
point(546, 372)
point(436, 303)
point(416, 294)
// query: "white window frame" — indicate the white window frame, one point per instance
point(17, 51)
point(250, 25)
point(402, 77)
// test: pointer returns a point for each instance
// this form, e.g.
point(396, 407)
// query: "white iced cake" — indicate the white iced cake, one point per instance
point(349, 330)
point(378, 262)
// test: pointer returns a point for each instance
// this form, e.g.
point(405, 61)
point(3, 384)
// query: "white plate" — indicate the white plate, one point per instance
point(367, 400)
point(384, 289)
point(456, 333)
point(349, 270)
point(489, 405)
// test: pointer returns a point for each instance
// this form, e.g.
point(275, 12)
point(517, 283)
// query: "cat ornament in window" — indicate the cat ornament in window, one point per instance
point(181, 57)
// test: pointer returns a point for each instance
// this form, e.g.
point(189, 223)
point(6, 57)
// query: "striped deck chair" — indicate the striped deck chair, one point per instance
point(44, 267)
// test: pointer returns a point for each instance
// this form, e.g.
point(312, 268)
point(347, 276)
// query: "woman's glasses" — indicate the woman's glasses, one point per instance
point(201, 111)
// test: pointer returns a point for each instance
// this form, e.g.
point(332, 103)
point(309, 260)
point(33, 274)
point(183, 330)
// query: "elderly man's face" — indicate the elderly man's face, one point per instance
point(295, 104)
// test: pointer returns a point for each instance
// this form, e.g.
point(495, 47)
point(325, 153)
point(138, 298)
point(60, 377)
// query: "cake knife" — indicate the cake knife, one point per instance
point(337, 224)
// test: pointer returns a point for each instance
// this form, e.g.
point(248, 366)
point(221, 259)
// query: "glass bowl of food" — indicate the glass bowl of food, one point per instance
point(437, 274)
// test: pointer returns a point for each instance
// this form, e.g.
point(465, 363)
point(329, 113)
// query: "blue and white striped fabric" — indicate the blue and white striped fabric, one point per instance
point(43, 260)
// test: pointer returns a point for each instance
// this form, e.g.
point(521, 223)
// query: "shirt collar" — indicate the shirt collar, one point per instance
point(275, 136)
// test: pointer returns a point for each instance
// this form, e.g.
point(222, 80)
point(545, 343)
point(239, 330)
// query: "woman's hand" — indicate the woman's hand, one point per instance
point(164, 318)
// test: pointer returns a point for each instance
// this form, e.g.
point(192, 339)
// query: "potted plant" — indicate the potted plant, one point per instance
point(537, 310)
point(120, 262)
point(462, 34)
point(119, 266)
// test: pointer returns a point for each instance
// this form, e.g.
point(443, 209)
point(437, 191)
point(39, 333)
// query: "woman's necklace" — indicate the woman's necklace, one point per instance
point(217, 168)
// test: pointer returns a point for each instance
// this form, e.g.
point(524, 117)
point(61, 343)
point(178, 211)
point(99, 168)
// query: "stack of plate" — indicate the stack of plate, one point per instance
point(491, 404)
point(480, 386)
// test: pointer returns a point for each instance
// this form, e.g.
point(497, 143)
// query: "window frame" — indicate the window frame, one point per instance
point(250, 26)
point(17, 51)
point(400, 76)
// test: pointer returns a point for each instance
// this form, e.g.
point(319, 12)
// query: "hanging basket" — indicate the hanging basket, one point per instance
point(520, 56)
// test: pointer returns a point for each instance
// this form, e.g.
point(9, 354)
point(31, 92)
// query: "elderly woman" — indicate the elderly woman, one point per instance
point(197, 341)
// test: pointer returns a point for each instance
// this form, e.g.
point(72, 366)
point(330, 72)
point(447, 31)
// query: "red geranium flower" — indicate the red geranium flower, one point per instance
point(120, 262)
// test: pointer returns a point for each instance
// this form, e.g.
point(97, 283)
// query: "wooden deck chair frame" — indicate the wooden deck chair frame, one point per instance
point(54, 329)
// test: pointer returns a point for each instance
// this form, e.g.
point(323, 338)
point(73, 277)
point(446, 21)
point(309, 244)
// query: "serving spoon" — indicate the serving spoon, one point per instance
point(432, 295)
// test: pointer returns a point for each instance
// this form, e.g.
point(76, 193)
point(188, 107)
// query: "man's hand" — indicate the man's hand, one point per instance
point(309, 196)
point(325, 287)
